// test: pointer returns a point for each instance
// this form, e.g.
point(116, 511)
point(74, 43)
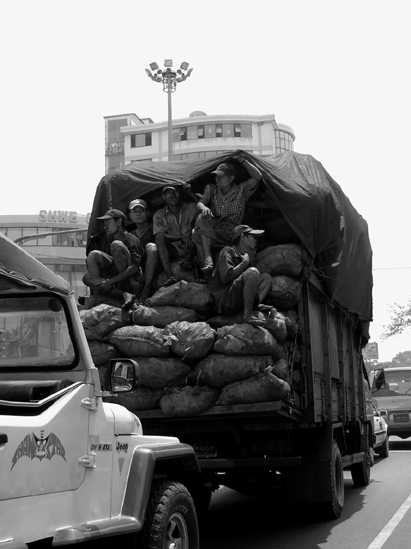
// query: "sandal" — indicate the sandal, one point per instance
point(170, 281)
point(207, 269)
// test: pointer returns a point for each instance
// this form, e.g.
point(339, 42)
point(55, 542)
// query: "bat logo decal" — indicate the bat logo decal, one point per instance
point(40, 448)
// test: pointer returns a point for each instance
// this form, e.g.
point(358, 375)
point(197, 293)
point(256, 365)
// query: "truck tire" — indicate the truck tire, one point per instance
point(384, 451)
point(360, 472)
point(171, 519)
point(332, 509)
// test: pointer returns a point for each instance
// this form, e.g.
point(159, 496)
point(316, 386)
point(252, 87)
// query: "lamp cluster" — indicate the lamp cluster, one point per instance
point(167, 76)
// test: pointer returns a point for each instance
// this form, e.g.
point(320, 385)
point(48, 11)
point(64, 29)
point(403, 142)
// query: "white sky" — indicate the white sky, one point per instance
point(337, 72)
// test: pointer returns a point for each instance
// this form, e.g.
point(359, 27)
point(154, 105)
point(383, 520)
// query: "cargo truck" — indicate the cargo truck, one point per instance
point(305, 441)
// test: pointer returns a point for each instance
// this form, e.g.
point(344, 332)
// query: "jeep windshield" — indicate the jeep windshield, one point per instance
point(397, 383)
point(34, 333)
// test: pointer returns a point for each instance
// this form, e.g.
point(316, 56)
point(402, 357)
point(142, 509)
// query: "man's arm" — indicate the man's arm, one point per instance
point(228, 268)
point(253, 172)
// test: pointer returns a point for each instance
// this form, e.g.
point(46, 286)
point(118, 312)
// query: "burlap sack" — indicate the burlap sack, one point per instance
point(143, 398)
point(187, 400)
point(102, 352)
point(222, 320)
point(285, 292)
point(281, 369)
point(184, 294)
point(162, 316)
point(291, 320)
point(218, 370)
point(139, 341)
point(284, 259)
point(276, 325)
point(193, 340)
point(244, 339)
point(160, 372)
point(263, 387)
point(103, 319)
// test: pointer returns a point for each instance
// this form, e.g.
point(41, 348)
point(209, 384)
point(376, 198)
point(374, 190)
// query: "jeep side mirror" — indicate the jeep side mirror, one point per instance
point(124, 375)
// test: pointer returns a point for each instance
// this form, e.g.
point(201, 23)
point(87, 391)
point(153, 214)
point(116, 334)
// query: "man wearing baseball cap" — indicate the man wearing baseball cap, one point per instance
point(116, 272)
point(172, 228)
point(140, 216)
point(235, 285)
point(222, 208)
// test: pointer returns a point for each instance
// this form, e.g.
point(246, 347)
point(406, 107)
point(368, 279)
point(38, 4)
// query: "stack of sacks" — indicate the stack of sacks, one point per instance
point(190, 360)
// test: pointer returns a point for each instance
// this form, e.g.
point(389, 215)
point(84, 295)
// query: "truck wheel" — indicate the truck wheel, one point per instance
point(333, 508)
point(171, 519)
point(384, 451)
point(360, 472)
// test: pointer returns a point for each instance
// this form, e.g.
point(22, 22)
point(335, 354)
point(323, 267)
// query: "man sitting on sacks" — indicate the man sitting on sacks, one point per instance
point(116, 272)
point(235, 285)
point(221, 209)
point(140, 214)
point(172, 227)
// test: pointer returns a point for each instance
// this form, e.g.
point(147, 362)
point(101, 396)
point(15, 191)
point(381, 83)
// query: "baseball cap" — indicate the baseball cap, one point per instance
point(113, 214)
point(240, 229)
point(225, 169)
point(138, 202)
point(169, 188)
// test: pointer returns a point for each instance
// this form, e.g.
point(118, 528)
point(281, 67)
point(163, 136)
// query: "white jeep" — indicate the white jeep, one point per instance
point(74, 468)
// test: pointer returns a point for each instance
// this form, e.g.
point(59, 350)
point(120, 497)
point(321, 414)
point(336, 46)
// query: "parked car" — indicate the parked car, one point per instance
point(381, 446)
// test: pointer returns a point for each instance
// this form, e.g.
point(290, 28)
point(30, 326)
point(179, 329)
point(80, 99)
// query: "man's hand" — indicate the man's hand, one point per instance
point(105, 287)
point(246, 259)
point(206, 212)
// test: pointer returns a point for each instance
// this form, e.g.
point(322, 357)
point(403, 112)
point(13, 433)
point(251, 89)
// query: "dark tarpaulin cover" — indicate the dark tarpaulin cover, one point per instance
point(312, 203)
point(19, 268)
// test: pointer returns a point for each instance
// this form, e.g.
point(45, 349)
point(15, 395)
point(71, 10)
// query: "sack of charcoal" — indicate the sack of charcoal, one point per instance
point(284, 259)
point(263, 387)
point(159, 372)
point(276, 324)
point(223, 320)
point(134, 341)
point(186, 401)
point(163, 316)
point(103, 319)
point(218, 370)
point(184, 294)
point(245, 339)
point(143, 398)
point(285, 292)
point(192, 340)
point(102, 352)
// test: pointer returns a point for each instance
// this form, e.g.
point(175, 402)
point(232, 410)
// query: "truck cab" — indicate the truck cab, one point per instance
point(74, 468)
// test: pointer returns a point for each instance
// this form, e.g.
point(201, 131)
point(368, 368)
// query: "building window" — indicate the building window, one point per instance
point(219, 130)
point(283, 142)
point(183, 134)
point(200, 132)
point(141, 140)
point(192, 133)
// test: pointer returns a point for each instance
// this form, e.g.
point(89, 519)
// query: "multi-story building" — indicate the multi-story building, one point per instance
point(56, 238)
point(130, 138)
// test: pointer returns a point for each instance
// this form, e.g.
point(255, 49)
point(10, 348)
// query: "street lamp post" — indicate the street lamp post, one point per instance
point(169, 78)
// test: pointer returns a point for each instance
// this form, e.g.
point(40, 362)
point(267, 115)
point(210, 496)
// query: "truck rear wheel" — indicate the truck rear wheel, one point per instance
point(171, 519)
point(333, 508)
point(361, 472)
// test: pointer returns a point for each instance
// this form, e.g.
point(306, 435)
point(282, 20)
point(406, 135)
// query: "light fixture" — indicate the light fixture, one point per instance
point(169, 78)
